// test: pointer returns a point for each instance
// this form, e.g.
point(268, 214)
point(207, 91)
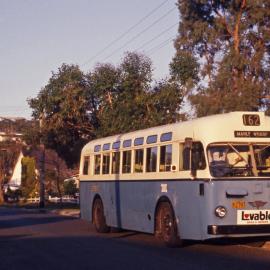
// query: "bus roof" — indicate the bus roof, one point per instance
point(215, 128)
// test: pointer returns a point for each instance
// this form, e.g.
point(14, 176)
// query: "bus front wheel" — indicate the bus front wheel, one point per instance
point(99, 219)
point(166, 227)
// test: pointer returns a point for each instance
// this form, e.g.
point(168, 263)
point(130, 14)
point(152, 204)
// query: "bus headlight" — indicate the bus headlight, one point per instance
point(220, 211)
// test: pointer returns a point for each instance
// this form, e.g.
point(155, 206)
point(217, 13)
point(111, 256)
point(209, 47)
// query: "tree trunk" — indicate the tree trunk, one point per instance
point(2, 175)
point(58, 184)
point(236, 37)
point(1, 190)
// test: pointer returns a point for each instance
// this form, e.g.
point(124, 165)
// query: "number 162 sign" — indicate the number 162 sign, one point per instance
point(251, 119)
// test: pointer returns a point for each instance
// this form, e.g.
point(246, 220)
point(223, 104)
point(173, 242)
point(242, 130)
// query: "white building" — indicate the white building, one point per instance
point(16, 178)
point(10, 136)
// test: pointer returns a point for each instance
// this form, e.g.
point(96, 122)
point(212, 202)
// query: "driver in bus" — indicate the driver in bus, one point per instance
point(218, 163)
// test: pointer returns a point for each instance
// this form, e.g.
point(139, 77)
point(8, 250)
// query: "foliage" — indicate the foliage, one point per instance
point(14, 125)
point(31, 135)
point(70, 188)
point(77, 107)
point(55, 172)
point(127, 109)
point(29, 185)
point(223, 48)
point(55, 169)
point(131, 103)
point(164, 103)
point(64, 109)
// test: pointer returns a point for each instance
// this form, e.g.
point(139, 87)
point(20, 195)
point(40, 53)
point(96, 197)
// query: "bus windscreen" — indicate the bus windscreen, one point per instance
point(239, 160)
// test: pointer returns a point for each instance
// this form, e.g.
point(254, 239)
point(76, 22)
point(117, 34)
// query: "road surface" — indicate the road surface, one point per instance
point(32, 240)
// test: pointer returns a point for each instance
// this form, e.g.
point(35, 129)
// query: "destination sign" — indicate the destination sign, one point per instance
point(251, 134)
point(251, 120)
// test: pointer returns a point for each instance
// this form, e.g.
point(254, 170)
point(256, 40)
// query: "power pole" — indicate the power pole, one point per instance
point(41, 166)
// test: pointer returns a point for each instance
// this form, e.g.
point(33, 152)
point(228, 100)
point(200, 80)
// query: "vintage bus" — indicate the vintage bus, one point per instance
point(199, 179)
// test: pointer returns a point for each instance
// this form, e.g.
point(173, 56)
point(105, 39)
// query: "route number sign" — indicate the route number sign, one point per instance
point(251, 119)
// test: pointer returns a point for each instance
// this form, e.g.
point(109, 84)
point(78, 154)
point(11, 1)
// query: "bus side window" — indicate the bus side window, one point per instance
point(116, 162)
point(126, 168)
point(151, 159)
point(106, 164)
point(198, 158)
point(138, 165)
point(97, 164)
point(85, 166)
point(165, 158)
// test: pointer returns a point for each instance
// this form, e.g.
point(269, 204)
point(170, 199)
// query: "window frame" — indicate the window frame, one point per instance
point(156, 161)
point(95, 172)
point(123, 170)
point(107, 157)
point(134, 160)
point(165, 157)
point(119, 162)
point(188, 164)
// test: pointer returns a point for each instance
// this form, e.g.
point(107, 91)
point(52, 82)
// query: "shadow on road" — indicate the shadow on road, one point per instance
point(12, 219)
point(249, 241)
point(92, 252)
point(70, 243)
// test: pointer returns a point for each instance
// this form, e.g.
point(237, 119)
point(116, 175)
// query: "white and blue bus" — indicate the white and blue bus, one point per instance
point(199, 179)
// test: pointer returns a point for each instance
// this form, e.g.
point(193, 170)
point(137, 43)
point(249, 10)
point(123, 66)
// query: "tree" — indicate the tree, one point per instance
point(128, 99)
point(55, 171)
point(29, 185)
point(164, 103)
point(70, 188)
point(75, 108)
point(122, 108)
point(68, 119)
point(223, 48)
point(104, 84)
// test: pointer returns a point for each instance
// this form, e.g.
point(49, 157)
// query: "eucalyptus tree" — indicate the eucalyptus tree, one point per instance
point(65, 110)
point(223, 54)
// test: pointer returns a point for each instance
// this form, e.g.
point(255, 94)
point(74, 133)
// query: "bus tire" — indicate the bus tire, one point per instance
point(166, 227)
point(99, 219)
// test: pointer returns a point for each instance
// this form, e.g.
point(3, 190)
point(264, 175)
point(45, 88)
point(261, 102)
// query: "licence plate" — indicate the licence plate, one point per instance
point(238, 204)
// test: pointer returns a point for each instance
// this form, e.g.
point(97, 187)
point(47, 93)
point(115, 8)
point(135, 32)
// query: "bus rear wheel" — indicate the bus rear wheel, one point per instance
point(99, 219)
point(166, 227)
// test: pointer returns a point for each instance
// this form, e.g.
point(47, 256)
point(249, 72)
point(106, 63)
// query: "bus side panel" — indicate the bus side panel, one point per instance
point(86, 198)
point(188, 206)
point(105, 190)
point(131, 205)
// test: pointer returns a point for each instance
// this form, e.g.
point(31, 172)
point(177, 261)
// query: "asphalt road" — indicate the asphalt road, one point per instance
point(30, 240)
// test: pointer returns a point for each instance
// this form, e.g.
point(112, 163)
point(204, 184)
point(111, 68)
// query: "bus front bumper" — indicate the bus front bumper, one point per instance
point(238, 229)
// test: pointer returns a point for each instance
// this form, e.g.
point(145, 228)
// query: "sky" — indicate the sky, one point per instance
point(38, 36)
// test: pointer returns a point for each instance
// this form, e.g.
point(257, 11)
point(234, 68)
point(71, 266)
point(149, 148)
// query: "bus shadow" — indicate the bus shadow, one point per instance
point(97, 252)
point(24, 221)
